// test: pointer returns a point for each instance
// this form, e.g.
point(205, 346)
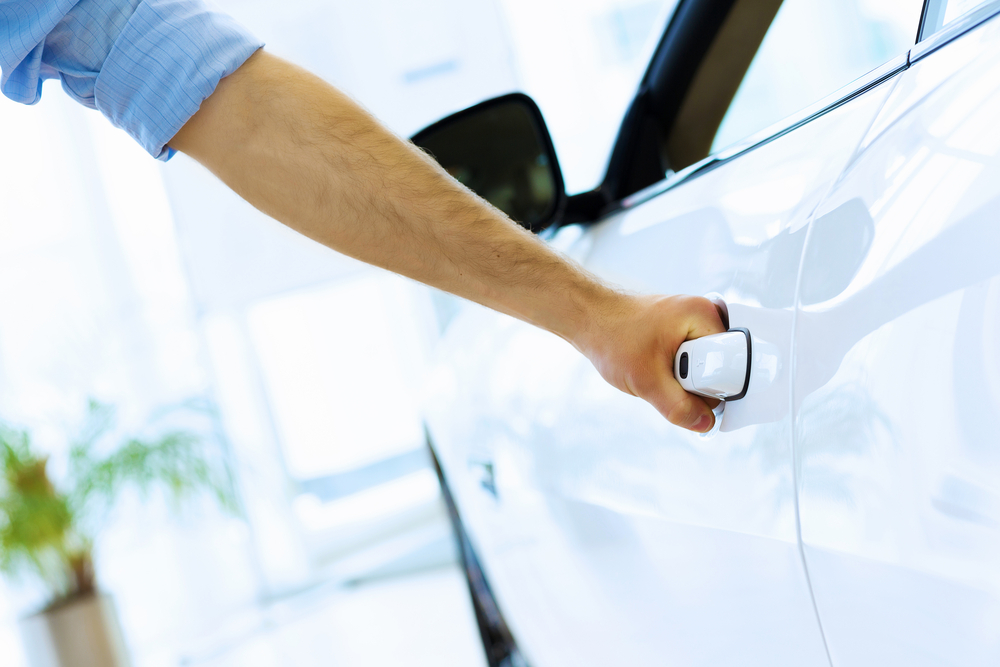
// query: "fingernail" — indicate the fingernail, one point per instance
point(704, 424)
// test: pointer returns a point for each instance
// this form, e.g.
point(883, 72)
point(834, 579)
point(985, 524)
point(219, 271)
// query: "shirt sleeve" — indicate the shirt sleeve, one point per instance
point(24, 26)
point(147, 65)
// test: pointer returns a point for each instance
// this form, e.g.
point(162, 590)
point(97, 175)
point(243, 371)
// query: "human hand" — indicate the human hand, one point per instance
point(632, 340)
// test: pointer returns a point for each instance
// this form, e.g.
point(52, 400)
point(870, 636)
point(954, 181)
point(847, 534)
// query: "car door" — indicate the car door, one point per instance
point(682, 547)
point(608, 535)
point(897, 372)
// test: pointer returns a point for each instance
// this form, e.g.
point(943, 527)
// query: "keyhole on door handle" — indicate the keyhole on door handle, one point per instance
point(716, 366)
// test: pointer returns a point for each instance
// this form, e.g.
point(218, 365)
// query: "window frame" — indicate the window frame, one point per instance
point(928, 42)
point(932, 18)
point(834, 100)
point(785, 126)
point(671, 65)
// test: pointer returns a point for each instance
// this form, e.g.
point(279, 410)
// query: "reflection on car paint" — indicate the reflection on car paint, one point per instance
point(580, 446)
point(896, 382)
point(614, 527)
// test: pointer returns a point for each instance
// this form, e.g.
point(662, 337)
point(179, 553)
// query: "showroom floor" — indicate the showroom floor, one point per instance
point(413, 620)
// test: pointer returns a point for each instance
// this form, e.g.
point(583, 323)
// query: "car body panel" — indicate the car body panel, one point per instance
point(897, 381)
point(608, 535)
point(848, 512)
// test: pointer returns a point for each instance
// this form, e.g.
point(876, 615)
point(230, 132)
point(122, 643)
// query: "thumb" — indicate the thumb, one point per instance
point(681, 408)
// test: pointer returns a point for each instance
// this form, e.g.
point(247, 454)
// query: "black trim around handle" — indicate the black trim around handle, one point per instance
point(746, 382)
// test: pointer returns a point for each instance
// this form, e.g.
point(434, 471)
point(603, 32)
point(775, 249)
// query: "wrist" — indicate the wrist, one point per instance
point(592, 307)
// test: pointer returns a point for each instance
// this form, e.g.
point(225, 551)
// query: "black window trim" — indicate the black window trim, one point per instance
point(635, 160)
point(928, 44)
point(599, 204)
point(925, 17)
point(872, 79)
point(856, 88)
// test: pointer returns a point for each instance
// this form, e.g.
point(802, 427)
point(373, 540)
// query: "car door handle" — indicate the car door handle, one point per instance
point(716, 366)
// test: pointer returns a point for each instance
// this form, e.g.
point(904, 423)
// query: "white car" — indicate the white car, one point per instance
point(847, 513)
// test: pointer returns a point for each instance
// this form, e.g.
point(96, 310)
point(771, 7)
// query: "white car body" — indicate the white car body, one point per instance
point(848, 512)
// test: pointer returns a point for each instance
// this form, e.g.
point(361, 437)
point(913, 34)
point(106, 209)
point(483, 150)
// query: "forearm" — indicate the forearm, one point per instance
point(309, 156)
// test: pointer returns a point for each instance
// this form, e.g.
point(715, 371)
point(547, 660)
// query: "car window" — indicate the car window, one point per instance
point(811, 50)
point(940, 13)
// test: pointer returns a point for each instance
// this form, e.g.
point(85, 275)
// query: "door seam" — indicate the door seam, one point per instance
point(793, 362)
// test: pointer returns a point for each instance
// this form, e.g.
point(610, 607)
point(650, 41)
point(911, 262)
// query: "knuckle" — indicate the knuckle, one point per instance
point(705, 314)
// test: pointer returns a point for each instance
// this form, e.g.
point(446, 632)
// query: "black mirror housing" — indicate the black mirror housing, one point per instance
point(502, 151)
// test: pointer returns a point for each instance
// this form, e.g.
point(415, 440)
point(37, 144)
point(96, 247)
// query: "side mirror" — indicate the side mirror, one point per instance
point(502, 151)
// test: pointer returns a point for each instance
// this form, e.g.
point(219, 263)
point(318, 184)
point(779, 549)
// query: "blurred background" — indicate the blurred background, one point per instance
point(152, 288)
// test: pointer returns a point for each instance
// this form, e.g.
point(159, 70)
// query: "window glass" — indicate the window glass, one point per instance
point(343, 365)
point(954, 9)
point(942, 12)
point(811, 50)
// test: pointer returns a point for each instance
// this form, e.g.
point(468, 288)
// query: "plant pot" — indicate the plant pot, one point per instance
point(80, 633)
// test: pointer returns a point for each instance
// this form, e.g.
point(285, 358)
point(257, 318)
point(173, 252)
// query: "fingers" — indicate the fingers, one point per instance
point(705, 318)
point(634, 348)
point(690, 412)
point(681, 408)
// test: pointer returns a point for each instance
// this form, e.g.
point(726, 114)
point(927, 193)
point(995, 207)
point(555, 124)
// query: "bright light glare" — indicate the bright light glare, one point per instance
point(339, 364)
point(584, 73)
point(371, 505)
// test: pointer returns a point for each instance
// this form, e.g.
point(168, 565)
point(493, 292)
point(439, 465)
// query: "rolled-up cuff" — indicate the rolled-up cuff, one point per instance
point(170, 56)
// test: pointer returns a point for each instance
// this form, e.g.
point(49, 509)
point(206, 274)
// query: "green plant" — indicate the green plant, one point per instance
point(50, 531)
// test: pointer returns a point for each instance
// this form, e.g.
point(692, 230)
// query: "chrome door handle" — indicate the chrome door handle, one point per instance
point(716, 366)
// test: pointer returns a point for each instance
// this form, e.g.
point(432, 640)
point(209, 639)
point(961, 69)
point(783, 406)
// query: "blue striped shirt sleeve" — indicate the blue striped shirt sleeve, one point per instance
point(145, 64)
